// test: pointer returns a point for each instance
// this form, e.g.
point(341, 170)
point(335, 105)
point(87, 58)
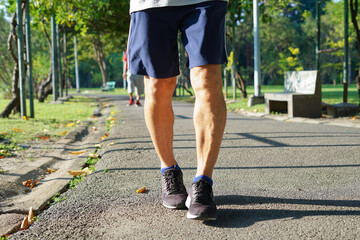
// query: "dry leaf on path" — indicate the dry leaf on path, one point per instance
point(51, 170)
point(2, 157)
point(110, 144)
point(94, 155)
point(30, 183)
point(105, 136)
point(141, 190)
point(77, 153)
point(24, 223)
point(75, 173)
point(31, 216)
point(70, 124)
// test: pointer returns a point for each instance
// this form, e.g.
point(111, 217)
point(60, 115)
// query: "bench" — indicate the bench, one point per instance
point(109, 86)
point(301, 96)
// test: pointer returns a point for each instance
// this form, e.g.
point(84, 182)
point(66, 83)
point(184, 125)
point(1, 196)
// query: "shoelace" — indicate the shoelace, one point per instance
point(202, 192)
point(173, 182)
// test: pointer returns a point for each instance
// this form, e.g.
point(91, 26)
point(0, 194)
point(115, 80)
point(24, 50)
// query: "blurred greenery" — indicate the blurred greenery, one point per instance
point(52, 120)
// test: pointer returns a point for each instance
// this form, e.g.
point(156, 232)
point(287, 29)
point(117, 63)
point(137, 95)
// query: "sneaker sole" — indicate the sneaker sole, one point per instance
point(179, 206)
point(200, 217)
point(197, 217)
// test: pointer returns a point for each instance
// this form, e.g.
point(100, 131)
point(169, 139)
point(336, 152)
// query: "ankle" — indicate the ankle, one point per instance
point(166, 168)
point(196, 178)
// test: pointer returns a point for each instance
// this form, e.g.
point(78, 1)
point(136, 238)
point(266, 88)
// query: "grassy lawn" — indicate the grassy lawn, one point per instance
point(330, 95)
point(51, 120)
point(54, 120)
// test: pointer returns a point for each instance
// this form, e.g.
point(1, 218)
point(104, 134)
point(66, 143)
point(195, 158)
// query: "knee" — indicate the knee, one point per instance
point(158, 90)
point(206, 81)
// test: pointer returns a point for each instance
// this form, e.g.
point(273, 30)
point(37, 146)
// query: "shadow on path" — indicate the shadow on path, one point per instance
point(241, 218)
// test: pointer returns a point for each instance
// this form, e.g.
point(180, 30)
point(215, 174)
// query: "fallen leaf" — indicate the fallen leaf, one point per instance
point(77, 153)
point(113, 112)
point(354, 118)
point(30, 183)
point(110, 144)
point(43, 137)
point(2, 157)
point(70, 124)
point(24, 223)
point(141, 190)
point(17, 130)
point(63, 133)
point(103, 137)
point(84, 172)
point(25, 118)
point(31, 216)
point(51, 170)
point(97, 145)
point(94, 155)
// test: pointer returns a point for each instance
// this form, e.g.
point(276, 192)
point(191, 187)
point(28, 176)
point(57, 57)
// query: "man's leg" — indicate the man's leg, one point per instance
point(159, 116)
point(209, 123)
point(209, 116)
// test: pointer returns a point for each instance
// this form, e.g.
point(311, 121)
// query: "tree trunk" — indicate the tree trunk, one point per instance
point(44, 90)
point(14, 104)
point(15, 101)
point(354, 8)
point(241, 85)
point(100, 57)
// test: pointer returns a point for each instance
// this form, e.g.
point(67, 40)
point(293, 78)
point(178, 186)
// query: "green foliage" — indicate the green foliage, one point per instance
point(6, 64)
point(290, 63)
point(56, 199)
point(75, 181)
point(6, 150)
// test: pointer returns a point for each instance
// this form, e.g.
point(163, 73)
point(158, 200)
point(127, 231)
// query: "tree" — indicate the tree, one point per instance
point(14, 104)
point(354, 10)
point(5, 58)
point(77, 17)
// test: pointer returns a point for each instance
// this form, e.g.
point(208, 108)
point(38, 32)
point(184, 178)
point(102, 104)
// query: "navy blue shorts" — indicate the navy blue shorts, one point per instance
point(152, 46)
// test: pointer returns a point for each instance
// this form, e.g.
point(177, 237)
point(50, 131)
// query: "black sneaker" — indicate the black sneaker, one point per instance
point(200, 201)
point(173, 190)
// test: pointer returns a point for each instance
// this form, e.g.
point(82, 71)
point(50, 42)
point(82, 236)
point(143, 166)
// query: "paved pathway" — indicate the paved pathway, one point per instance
point(274, 180)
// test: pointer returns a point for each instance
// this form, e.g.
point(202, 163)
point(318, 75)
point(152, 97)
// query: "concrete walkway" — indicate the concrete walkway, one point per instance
point(274, 180)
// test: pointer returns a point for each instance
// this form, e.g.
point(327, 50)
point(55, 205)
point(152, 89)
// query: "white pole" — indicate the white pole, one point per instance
point(257, 60)
point(76, 67)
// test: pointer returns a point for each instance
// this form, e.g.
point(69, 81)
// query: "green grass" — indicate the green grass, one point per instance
point(330, 95)
point(50, 119)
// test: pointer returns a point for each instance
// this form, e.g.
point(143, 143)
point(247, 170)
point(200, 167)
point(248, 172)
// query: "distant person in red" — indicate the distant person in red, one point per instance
point(135, 84)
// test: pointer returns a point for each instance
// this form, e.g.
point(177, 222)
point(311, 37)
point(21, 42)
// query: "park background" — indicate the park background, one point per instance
point(100, 29)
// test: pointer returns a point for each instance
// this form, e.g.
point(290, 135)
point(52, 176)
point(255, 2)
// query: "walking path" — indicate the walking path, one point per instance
point(273, 180)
